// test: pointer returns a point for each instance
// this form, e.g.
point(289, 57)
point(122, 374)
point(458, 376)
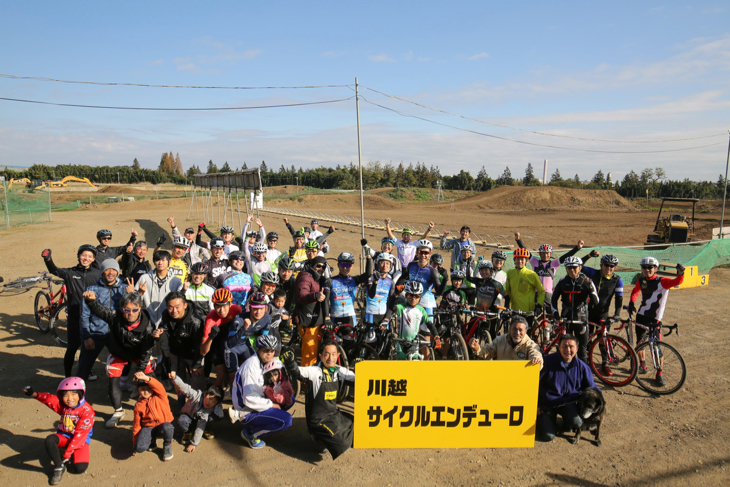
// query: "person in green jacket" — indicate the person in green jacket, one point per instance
point(523, 286)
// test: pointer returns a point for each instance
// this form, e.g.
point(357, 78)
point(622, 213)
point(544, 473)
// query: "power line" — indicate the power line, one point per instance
point(543, 133)
point(99, 83)
point(533, 143)
point(177, 109)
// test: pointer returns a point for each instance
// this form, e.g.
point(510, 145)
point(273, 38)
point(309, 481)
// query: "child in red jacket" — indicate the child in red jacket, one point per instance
point(69, 446)
point(152, 416)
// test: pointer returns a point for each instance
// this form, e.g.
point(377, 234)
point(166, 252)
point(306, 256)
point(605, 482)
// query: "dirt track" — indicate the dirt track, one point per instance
point(674, 440)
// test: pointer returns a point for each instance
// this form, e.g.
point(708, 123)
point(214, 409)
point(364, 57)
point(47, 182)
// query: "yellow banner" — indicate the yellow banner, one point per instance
point(445, 404)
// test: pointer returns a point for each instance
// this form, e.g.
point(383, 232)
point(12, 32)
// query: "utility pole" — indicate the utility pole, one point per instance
point(117, 178)
point(724, 194)
point(359, 159)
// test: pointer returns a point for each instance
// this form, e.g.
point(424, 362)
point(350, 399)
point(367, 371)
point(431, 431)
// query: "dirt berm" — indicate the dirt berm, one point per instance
point(535, 198)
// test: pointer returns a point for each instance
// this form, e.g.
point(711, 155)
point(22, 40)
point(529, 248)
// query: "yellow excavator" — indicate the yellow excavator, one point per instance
point(25, 181)
point(674, 228)
point(59, 183)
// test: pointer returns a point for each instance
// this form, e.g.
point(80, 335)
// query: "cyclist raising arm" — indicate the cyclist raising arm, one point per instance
point(522, 284)
point(103, 251)
point(406, 248)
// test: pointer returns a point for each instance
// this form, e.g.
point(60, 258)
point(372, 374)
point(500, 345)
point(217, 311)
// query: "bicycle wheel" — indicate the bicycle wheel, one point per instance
point(42, 311)
point(20, 284)
point(458, 349)
point(365, 352)
point(617, 356)
point(673, 369)
point(344, 387)
point(540, 334)
point(59, 325)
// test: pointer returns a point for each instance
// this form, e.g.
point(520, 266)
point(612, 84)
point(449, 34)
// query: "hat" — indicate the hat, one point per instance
point(189, 230)
point(319, 260)
point(109, 264)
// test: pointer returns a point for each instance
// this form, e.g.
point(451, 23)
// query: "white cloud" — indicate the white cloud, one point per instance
point(381, 58)
point(478, 56)
point(186, 67)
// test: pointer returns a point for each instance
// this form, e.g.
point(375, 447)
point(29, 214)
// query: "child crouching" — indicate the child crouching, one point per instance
point(74, 428)
point(199, 408)
point(276, 385)
point(152, 416)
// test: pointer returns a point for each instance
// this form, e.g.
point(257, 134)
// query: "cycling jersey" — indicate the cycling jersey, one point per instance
point(256, 267)
point(299, 257)
point(394, 268)
point(76, 423)
point(521, 286)
point(180, 267)
point(546, 269)
point(575, 294)
point(654, 294)
point(379, 296)
point(429, 279)
point(408, 321)
point(239, 284)
point(488, 290)
point(468, 267)
point(406, 251)
point(216, 268)
point(201, 298)
point(607, 288)
point(344, 289)
point(455, 245)
point(196, 252)
point(500, 277)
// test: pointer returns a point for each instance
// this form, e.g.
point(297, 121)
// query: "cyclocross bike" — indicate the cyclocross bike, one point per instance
point(49, 308)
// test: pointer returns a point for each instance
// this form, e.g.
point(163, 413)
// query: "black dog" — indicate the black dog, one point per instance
point(591, 407)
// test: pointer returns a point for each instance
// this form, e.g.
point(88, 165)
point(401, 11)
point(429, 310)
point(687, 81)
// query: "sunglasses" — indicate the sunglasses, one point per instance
point(273, 241)
point(610, 266)
point(414, 296)
point(319, 266)
point(424, 252)
point(128, 311)
point(346, 265)
point(220, 305)
point(647, 267)
point(105, 238)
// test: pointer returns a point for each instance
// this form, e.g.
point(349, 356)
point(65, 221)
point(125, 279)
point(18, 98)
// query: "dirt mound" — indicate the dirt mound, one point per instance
point(289, 188)
point(535, 198)
point(114, 189)
point(336, 202)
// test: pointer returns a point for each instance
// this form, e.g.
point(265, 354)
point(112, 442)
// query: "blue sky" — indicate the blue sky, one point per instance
point(613, 71)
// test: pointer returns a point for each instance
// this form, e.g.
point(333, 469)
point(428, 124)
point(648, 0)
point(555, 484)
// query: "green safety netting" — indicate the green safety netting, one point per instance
point(704, 255)
point(24, 207)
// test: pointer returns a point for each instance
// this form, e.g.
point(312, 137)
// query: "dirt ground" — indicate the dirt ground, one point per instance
point(675, 440)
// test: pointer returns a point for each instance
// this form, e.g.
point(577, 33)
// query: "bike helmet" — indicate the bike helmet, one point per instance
point(314, 222)
point(437, 259)
point(86, 247)
point(273, 365)
point(485, 264)
point(199, 268)
point(222, 295)
point(413, 287)
point(545, 248)
point(217, 243)
point(409, 231)
point(103, 233)
point(266, 342)
point(307, 230)
point(226, 229)
point(520, 252)
point(257, 300)
point(286, 263)
point(235, 256)
point(299, 234)
point(470, 247)
point(609, 259)
point(425, 244)
point(252, 235)
point(272, 236)
point(649, 261)
point(458, 274)
point(269, 276)
point(181, 242)
point(260, 248)
point(346, 257)
point(311, 245)
point(386, 256)
point(388, 240)
point(572, 261)
point(499, 255)
point(72, 384)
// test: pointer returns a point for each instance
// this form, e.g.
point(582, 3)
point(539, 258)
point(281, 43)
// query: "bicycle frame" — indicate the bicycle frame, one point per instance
point(480, 319)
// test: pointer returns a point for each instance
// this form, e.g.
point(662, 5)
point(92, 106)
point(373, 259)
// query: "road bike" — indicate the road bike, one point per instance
point(665, 361)
point(611, 358)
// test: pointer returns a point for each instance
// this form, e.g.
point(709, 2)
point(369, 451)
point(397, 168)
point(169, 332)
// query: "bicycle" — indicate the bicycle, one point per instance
point(664, 357)
point(21, 283)
point(419, 343)
point(52, 308)
point(618, 364)
point(449, 330)
point(479, 327)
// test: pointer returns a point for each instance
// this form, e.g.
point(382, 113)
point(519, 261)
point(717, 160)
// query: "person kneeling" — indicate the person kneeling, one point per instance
point(514, 346)
point(562, 379)
point(328, 426)
point(152, 416)
point(199, 410)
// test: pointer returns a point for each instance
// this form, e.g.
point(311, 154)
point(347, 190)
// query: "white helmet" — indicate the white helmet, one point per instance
point(413, 287)
point(649, 261)
point(425, 244)
point(386, 256)
point(181, 242)
point(572, 261)
point(260, 247)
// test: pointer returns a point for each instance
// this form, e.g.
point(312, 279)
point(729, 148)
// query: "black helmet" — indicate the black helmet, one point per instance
point(103, 233)
point(286, 263)
point(199, 268)
point(86, 247)
point(437, 259)
point(272, 236)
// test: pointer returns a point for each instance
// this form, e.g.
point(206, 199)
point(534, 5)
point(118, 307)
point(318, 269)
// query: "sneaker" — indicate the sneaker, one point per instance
point(92, 377)
point(153, 445)
point(167, 454)
point(606, 370)
point(234, 415)
point(253, 442)
point(643, 369)
point(227, 395)
point(58, 474)
point(115, 419)
point(208, 434)
point(660, 379)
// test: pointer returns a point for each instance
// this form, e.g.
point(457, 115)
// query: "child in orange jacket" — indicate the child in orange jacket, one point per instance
point(152, 416)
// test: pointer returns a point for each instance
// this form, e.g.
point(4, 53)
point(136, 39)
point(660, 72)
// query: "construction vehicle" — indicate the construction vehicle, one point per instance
point(25, 181)
point(674, 228)
point(61, 183)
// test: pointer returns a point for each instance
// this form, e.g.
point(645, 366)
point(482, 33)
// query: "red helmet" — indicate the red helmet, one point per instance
point(222, 295)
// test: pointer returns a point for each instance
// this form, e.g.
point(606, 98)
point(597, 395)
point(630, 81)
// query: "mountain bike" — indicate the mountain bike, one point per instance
point(50, 309)
point(480, 327)
point(453, 344)
point(20, 284)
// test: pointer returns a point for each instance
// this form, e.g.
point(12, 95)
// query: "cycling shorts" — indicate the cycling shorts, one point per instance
point(115, 365)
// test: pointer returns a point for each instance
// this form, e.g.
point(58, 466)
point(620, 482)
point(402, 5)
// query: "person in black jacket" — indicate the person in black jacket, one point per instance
point(134, 263)
point(77, 279)
point(103, 251)
point(132, 338)
point(184, 331)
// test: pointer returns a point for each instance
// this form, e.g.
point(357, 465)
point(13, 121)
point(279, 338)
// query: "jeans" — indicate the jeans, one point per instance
point(546, 428)
point(147, 435)
point(88, 357)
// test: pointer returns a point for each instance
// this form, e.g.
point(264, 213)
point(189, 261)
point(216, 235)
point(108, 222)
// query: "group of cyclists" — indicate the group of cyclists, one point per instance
point(220, 301)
